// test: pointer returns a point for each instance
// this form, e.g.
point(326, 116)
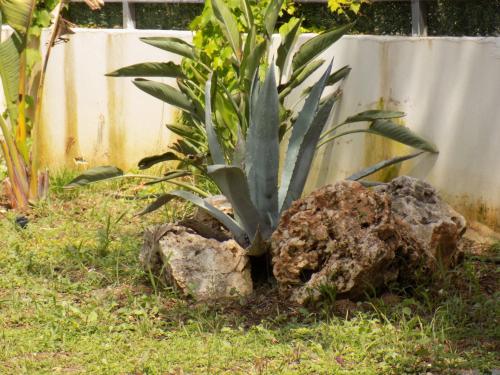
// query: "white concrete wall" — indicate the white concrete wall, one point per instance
point(450, 90)
point(449, 87)
point(99, 119)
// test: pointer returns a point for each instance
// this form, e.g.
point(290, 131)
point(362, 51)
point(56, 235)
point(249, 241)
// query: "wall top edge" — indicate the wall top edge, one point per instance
point(388, 38)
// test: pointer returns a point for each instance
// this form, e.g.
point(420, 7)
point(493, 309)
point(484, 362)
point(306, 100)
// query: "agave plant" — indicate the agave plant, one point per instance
point(25, 182)
point(252, 182)
point(255, 121)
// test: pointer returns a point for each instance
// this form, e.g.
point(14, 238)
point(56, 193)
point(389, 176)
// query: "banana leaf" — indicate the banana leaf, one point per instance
point(151, 69)
point(171, 44)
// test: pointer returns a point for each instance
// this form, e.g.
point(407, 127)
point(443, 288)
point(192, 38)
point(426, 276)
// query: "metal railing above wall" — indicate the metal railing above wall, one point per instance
point(418, 21)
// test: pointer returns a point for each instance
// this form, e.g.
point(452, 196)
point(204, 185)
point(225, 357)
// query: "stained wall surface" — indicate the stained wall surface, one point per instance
point(449, 88)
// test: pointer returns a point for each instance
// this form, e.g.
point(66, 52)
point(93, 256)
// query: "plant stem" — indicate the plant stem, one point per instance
point(33, 186)
point(342, 134)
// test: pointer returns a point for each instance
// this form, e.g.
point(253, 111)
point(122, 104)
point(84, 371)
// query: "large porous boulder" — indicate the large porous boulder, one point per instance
point(204, 268)
point(434, 223)
point(344, 239)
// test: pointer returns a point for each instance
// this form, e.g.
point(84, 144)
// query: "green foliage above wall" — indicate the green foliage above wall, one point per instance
point(166, 16)
point(109, 17)
point(473, 18)
point(445, 17)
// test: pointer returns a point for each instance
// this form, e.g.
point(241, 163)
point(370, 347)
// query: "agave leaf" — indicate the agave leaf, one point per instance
point(170, 44)
point(271, 16)
point(17, 14)
point(381, 165)
point(289, 36)
point(94, 175)
point(233, 184)
point(262, 149)
point(402, 134)
point(300, 76)
point(229, 25)
point(166, 93)
point(226, 220)
point(307, 152)
point(313, 47)
point(149, 161)
point(214, 85)
point(259, 246)
point(374, 114)
point(302, 145)
point(369, 184)
point(151, 69)
point(170, 176)
point(216, 151)
point(10, 51)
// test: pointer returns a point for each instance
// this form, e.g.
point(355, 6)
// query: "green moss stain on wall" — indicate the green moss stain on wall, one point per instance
point(71, 147)
point(114, 120)
point(379, 148)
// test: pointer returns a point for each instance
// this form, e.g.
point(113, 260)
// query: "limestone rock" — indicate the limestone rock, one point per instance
point(342, 238)
point(435, 224)
point(204, 268)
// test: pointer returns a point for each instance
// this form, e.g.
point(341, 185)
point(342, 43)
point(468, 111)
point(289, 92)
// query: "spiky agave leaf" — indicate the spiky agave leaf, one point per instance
point(262, 149)
point(232, 182)
point(303, 140)
point(237, 231)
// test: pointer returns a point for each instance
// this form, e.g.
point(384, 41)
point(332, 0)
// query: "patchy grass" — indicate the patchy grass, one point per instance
point(73, 299)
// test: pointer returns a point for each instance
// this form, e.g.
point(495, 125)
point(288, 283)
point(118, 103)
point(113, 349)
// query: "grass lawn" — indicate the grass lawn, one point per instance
point(74, 299)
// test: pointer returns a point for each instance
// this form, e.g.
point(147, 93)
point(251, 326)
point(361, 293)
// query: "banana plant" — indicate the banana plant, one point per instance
point(25, 183)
